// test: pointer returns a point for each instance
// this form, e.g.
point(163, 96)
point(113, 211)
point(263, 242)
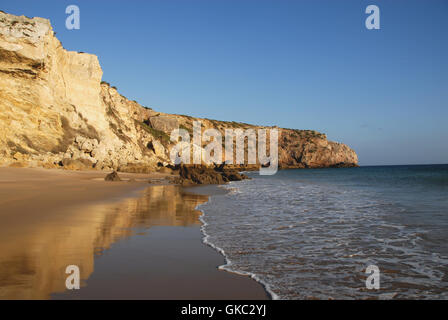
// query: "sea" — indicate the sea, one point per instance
point(313, 233)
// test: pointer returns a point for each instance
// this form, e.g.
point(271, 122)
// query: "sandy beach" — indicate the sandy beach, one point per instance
point(130, 239)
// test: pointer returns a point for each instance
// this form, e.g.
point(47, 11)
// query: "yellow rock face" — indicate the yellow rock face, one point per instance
point(54, 110)
point(51, 97)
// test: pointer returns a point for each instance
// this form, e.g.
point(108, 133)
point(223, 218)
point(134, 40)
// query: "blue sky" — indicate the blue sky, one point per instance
point(296, 64)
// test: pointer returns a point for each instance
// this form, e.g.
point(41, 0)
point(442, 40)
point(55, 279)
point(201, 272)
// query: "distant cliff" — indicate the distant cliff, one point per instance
point(56, 112)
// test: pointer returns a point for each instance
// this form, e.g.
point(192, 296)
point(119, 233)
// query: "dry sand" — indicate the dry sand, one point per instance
point(131, 240)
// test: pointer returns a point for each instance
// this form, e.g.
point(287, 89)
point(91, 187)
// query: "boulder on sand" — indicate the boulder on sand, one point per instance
point(199, 174)
point(112, 177)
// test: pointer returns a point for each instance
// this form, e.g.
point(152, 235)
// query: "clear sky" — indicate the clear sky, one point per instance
point(296, 64)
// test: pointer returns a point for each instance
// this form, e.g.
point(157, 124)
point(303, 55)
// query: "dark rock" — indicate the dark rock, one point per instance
point(112, 177)
point(343, 165)
point(199, 174)
point(233, 175)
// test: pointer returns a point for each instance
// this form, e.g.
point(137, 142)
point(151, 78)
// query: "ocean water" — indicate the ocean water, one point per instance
point(308, 234)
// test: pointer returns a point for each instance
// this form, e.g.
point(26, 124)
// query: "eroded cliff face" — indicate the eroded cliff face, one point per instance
point(56, 112)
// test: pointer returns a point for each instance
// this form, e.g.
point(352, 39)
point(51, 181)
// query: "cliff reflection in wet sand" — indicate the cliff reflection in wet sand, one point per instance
point(33, 260)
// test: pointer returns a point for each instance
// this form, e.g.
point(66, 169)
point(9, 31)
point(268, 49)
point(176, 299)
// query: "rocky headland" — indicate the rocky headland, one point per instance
point(56, 112)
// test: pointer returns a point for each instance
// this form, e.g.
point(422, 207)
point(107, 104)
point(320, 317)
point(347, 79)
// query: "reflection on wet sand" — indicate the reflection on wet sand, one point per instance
point(33, 257)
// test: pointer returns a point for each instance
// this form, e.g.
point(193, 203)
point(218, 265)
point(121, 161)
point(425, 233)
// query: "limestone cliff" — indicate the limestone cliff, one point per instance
point(56, 112)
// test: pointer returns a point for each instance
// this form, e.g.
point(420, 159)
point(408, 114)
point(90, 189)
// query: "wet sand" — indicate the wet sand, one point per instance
point(131, 240)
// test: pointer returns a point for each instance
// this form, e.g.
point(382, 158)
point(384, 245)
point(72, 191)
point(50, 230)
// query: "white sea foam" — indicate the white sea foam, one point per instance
point(306, 239)
point(228, 266)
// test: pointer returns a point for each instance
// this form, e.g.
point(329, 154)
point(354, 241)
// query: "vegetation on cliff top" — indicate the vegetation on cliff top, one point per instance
point(158, 134)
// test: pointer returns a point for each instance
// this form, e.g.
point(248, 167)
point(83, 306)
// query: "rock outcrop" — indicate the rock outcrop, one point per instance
point(199, 174)
point(56, 112)
point(113, 176)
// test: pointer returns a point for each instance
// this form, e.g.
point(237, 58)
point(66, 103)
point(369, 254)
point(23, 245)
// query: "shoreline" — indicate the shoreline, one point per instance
point(214, 190)
point(53, 218)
